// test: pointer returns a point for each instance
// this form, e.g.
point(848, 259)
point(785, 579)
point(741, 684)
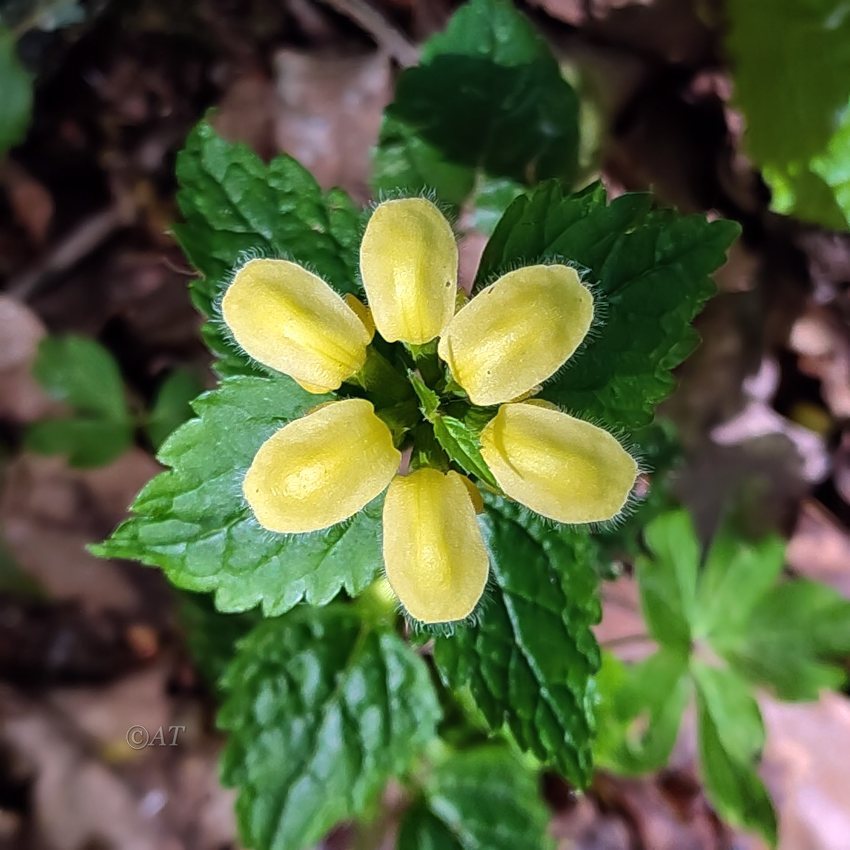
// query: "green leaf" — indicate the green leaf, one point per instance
point(461, 444)
point(668, 579)
point(421, 829)
point(794, 89)
point(481, 798)
point(731, 735)
point(16, 102)
point(640, 711)
point(737, 574)
point(429, 401)
point(321, 712)
point(86, 442)
point(493, 195)
point(84, 375)
point(794, 640)
point(172, 406)
point(194, 522)
point(650, 272)
point(234, 206)
point(529, 660)
point(489, 98)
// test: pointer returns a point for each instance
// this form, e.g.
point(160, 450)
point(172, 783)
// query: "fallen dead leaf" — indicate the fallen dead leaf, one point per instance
point(21, 398)
point(49, 513)
point(819, 548)
point(329, 112)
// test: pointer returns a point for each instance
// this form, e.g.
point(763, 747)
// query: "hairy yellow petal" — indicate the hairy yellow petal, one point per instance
point(434, 554)
point(408, 261)
point(561, 467)
point(292, 321)
point(322, 468)
point(517, 332)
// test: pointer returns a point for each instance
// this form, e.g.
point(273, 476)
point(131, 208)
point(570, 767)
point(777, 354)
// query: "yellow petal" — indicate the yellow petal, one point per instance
point(292, 321)
point(474, 495)
point(362, 311)
point(517, 332)
point(322, 468)
point(561, 467)
point(434, 554)
point(408, 261)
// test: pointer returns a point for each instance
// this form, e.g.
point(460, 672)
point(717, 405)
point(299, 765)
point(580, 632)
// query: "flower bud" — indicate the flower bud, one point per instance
point(559, 466)
point(517, 332)
point(292, 321)
point(408, 261)
point(322, 468)
point(434, 554)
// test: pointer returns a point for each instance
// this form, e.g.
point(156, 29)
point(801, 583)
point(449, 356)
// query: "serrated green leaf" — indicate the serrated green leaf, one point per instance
point(172, 405)
point(793, 640)
point(429, 401)
point(737, 573)
point(640, 711)
point(461, 444)
point(529, 660)
point(481, 798)
point(794, 89)
point(668, 579)
point(650, 272)
point(731, 735)
point(235, 206)
point(487, 99)
point(321, 711)
point(84, 375)
point(193, 522)
point(16, 102)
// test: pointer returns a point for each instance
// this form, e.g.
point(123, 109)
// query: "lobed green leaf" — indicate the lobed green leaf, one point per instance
point(731, 735)
point(667, 579)
point(640, 711)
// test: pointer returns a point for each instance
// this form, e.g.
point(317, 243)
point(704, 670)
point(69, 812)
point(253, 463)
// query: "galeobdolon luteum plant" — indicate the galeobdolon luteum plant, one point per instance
point(492, 356)
point(384, 456)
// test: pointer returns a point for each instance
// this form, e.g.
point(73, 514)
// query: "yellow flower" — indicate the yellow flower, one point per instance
point(499, 347)
point(517, 333)
point(560, 467)
point(435, 558)
point(408, 262)
point(322, 468)
point(292, 321)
